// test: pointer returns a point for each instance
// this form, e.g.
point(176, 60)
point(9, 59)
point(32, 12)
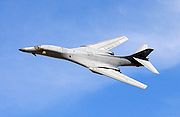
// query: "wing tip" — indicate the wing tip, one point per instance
point(141, 85)
point(124, 38)
point(156, 72)
point(144, 87)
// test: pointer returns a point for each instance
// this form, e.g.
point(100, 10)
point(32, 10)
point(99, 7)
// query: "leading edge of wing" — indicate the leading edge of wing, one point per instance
point(109, 44)
point(119, 76)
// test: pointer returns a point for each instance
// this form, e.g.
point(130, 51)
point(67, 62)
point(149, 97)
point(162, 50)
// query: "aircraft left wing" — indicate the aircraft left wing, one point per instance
point(109, 44)
point(118, 76)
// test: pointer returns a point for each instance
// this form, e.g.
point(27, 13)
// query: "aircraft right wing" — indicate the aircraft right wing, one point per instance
point(109, 44)
point(118, 76)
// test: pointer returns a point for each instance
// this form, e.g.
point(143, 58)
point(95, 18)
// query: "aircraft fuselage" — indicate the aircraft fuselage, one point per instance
point(85, 57)
point(99, 58)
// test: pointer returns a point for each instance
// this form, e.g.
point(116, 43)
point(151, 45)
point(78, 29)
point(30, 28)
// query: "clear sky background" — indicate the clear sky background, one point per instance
point(46, 87)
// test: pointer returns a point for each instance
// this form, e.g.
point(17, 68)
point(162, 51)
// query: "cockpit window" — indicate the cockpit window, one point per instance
point(37, 47)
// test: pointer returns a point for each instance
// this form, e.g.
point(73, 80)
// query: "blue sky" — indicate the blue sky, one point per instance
point(41, 86)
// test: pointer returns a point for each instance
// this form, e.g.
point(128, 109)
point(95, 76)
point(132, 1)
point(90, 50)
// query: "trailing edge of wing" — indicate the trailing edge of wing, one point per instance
point(119, 76)
point(109, 44)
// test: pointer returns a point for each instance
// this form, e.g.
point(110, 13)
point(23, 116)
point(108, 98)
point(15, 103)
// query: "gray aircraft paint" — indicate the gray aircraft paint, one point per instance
point(98, 58)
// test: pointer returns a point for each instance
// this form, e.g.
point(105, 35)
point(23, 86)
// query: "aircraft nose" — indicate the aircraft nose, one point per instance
point(27, 49)
point(22, 50)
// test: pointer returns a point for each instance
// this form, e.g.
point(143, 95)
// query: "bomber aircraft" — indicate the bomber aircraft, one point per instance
point(99, 58)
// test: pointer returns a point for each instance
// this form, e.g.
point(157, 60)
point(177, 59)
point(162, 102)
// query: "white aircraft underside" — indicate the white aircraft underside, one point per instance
point(99, 58)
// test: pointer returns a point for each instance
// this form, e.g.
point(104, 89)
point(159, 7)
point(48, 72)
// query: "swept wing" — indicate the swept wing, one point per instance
point(118, 76)
point(109, 44)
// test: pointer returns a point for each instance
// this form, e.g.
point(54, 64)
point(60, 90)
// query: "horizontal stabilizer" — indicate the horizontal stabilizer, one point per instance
point(147, 64)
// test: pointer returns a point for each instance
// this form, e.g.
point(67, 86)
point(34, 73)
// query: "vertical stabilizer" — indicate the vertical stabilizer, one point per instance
point(141, 57)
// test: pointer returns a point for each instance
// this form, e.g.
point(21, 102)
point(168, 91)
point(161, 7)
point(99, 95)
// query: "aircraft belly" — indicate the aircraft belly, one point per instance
point(124, 62)
point(91, 59)
point(94, 60)
point(79, 59)
point(110, 60)
point(53, 54)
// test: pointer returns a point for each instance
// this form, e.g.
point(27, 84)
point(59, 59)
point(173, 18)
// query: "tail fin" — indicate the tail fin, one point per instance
point(143, 54)
point(141, 57)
